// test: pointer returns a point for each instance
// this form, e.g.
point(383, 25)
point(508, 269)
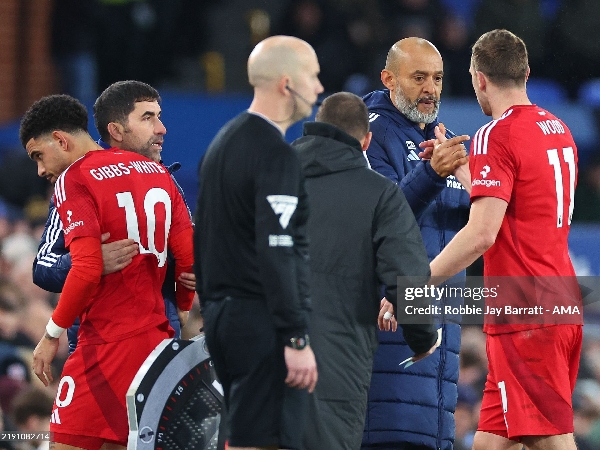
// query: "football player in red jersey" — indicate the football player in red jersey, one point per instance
point(122, 314)
point(523, 174)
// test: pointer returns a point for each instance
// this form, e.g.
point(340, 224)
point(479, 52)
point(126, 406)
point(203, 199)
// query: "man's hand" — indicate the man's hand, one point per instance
point(420, 356)
point(427, 149)
point(183, 316)
point(448, 154)
point(117, 255)
point(428, 146)
point(187, 280)
point(302, 368)
point(43, 355)
point(386, 322)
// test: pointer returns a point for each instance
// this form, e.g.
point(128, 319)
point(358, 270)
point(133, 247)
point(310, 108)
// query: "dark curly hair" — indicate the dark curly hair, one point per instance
point(54, 112)
point(118, 100)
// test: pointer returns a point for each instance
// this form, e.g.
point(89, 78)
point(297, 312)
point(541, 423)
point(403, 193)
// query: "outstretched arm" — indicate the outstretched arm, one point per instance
point(80, 285)
point(478, 235)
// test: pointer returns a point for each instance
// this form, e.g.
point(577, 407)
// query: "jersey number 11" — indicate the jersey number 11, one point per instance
point(569, 158)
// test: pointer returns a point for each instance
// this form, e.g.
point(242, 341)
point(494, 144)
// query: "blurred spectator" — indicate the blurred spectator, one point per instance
point(5, 225)
point(575, 55)
point(586, 405)
point(465, 417)
point(473, 358)
point(368, 32)
point(32, 409)
point(589, 366)
point(18, 245)
point(188, 42)
point(135, 41)
point(417, 18)
point(14, 375)
point(18, 180)
point(587, 194)
point(74, 34)
point(522, 17)
point(12, 305)
point(454, 45)
point(316, 23)
point(17, 255)
point(5, 425)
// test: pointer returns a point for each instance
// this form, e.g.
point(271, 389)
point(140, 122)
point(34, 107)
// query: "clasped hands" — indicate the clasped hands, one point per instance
point(447, 156)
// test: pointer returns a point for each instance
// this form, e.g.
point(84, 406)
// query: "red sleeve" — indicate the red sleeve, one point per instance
point(182, 247)
point(81, 282)
point(492, 163)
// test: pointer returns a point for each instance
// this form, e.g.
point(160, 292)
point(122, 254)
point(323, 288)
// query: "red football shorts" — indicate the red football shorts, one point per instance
point(91, 392)
point(530, 382)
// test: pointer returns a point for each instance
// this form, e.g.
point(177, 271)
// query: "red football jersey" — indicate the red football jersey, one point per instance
point(129, 196)
point(528, 158)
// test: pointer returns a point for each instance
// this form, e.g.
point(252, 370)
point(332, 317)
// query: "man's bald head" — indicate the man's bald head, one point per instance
point(407, 48)
point(284, 72)
point(413, 74)
point(277, 56)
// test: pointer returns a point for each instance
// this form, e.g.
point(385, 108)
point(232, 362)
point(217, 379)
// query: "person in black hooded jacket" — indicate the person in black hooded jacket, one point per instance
point(362, 234)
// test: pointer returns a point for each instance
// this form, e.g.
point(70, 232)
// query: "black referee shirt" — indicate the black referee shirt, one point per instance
point(250, 236)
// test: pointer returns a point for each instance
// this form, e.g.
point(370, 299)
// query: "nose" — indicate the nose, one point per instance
point(41, 170)
point(429, 86)
point(160, 128)
point(320, 88)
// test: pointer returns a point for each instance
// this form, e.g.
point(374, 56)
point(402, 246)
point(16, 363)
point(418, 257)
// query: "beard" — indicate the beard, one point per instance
point(411, 109)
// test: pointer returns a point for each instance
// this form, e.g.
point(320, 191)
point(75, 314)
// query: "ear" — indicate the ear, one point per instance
point(61, 139)
point(388, 79)
point(116, 131)
point(482, 81)
point(366, 141)
point(282, 86)
point(527, 74)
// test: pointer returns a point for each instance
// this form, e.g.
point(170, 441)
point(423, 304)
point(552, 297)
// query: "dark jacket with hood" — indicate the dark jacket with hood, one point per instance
point(415, 405)
point(362, 235)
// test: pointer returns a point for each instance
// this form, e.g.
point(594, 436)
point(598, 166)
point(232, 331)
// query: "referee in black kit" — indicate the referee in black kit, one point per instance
point(251, 252)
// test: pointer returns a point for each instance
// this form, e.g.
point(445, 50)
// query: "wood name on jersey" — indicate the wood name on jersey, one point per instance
point(551, 127)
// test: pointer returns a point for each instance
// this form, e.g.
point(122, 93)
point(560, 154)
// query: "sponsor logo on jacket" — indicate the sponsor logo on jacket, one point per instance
point(453, 183)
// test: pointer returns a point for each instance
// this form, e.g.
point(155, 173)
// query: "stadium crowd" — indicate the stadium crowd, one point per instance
point(351, 38)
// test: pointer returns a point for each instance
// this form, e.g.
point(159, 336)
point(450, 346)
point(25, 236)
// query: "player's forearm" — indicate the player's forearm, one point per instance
point(182, 247)
point(80, 285)
point(486, 217)
point(463, 175)
point(468, 245)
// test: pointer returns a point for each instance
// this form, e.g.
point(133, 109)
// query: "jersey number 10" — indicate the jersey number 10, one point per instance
point(152, 198)
point(569, 157)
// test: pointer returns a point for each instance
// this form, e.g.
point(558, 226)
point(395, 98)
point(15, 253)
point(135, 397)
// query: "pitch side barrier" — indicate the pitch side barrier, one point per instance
point(175, 401)
point(500, 301)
